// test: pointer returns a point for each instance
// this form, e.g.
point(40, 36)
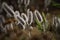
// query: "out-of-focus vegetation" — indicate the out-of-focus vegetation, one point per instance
point(28, 20)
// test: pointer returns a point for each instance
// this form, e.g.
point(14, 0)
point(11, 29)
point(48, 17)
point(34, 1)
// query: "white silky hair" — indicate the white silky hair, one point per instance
point(6, 5)
point(20, 1)
point(37, 12)
point(28, 11)
point(26, 18)
point(11, 25)
point(3, 29)
point(31, 15)
point(26, 2)
point(47, 2)
point(20, 18)
point(56, 23)
point(16, 13)
point(2, 18)
point(59, 20)
point(8, 14)
point(31, 18)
